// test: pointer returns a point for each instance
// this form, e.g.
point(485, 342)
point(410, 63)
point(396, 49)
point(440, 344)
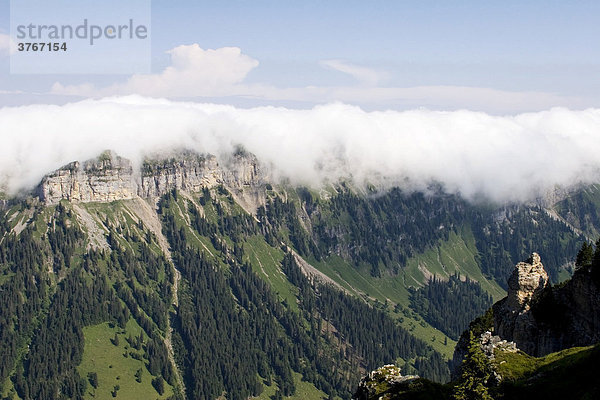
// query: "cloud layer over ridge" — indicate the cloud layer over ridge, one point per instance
point(471, 153)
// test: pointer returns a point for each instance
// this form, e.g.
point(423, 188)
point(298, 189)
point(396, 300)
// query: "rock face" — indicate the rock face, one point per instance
point(513, 319)
point(528, 279)
point(542, 319)
point(110, 177)
point(189, 171)
point(107, 178)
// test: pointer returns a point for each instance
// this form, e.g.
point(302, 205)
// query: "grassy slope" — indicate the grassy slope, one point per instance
point(457, 254)
point(304, 390)
point(100, 355)
point(99, 352)
point(591, 196)
point(266, 261)
point(393, 289)
point(567, 374)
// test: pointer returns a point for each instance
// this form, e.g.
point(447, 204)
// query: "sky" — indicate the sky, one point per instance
point(500, 57)
point(491, 99)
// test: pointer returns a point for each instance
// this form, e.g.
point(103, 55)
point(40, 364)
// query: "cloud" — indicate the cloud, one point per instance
point(471, 153)
point(193, 72)
point(7, 44)
point(366, 76)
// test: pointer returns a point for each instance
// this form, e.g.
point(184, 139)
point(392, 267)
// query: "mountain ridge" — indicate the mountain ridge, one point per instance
point(110, 177)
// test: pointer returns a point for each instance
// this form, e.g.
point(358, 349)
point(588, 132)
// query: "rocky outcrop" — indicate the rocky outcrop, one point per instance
point(528, 279)
point(539, 318)
point(383, 383)
point(110, 177)
point(542, 319)
point(513, 319)
point(490, 343)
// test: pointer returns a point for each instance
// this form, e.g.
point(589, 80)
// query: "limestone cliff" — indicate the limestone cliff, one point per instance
point(513, 319)
point(110, 177)
point(107, 178)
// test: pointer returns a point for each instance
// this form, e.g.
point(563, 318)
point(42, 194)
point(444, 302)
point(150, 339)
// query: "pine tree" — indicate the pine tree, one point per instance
point(93, 379)
point(475, 374)
point(159, 384)
point(596, 263)
point(585, 256)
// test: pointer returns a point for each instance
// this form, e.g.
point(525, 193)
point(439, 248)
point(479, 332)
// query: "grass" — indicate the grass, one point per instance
point(9, 390)
point(351, 278)
point(564, 274)
point(359, 281)
point(103, 357)
point(266, 263)
point(457, 254)
point(567, 374)
point(590, 195)
point(515, 366)
point(304, 390)
point(393, 288)
point(41, 222)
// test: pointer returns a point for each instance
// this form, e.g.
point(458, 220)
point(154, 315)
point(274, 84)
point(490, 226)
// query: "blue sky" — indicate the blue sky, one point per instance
point(493, 56)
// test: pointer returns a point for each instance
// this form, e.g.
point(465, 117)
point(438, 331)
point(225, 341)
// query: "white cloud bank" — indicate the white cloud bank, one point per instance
point(504, 158)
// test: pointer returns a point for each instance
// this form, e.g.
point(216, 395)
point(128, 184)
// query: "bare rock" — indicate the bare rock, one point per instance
point(513, 319)
point(490, 343)
point(105, 179)
point(110, 177)
point(528, 279)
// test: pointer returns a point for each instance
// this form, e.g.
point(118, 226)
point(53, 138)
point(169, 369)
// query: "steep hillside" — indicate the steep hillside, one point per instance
point(196, 277)
point(148, 276)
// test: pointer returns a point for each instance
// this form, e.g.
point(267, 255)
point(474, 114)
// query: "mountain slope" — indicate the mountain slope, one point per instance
point(217, 269)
